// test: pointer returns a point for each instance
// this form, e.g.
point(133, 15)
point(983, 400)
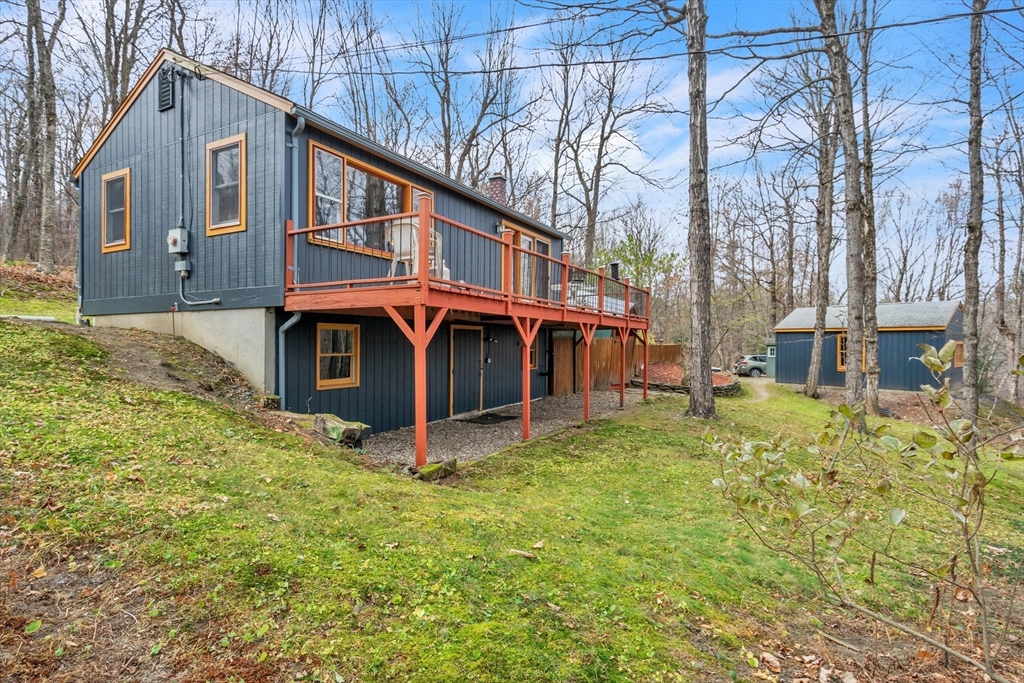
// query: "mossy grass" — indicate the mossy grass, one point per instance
point(296, 550)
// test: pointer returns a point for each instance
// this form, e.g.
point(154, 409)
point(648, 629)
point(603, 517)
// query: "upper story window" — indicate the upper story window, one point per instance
point(116, 207)
point(343, 191)
point(225, 185)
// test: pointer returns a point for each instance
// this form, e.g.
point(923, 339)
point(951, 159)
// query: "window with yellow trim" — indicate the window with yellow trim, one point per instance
point(535, 353)
point(225, 185)
point(116, 210)
point(958, 355)
point(343, 190)
point(337, 356)
point(841, 354)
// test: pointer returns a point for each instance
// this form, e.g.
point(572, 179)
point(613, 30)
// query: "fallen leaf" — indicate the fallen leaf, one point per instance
point(538, 545)
point(962, 594)
point(554, 607)
point(848, 677)
point(924, 654)
point(33, 627)
point(771, 661)
point(273, 518)
point(824, 674)
point(39, 573)
point(523, 553)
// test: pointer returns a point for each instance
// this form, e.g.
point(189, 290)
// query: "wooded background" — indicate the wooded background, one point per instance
point(822, 115)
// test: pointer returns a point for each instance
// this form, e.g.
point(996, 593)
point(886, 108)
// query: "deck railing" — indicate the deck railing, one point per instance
point(384, 252)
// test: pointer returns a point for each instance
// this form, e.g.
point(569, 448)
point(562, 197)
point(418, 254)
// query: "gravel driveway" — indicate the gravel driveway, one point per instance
point(468, 441)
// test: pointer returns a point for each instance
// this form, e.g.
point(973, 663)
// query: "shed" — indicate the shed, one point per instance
point(901, 327)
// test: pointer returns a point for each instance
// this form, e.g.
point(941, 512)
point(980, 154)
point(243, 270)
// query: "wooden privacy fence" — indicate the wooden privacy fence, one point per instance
point(605, 356)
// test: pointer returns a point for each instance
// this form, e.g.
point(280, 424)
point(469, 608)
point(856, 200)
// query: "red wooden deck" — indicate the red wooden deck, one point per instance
point(498, 280)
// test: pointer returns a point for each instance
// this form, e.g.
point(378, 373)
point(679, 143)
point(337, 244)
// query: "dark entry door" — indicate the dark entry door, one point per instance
point(467, 384)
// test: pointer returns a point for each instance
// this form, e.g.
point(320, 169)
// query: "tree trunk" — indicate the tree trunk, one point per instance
point(48, 163)
point(870, 260)
point(854, 198)
point(972, 246)
point(702, 399)
point(828, 127)
point(28, 150)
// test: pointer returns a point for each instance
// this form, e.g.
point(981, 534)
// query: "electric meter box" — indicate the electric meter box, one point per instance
point(177, 241)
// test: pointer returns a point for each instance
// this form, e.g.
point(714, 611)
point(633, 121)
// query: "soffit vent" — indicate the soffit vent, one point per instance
point(166, 85)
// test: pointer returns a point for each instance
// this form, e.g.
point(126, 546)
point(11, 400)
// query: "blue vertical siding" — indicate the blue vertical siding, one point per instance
point(245, 268)
point(473, 260)
point(385, 397)
point(896, 349)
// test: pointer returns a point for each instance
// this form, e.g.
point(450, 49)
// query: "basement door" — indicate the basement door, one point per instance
point(466, 384)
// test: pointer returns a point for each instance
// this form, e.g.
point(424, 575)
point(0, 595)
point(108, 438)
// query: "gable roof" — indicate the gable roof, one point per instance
point(313, 119)
point(923, 315)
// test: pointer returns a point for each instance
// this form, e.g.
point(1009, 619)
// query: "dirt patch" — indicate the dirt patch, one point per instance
point(759, 387)
point(672, 373)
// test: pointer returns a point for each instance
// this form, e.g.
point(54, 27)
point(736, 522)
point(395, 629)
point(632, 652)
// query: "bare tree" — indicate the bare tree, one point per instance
point(836, 51)
point(870, 260)
point(25, 150)
point(972, 247)
point(48, 98)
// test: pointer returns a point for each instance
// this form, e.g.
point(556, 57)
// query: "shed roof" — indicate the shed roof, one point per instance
point(312, 119)
point(923, 315)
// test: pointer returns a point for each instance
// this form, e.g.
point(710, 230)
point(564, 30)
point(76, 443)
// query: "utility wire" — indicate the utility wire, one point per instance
point(726, 50)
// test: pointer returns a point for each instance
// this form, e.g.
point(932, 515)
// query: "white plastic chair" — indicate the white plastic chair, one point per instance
point(404, 237)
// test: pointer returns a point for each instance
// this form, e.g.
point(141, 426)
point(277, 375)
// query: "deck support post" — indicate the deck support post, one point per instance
point(527, 333)
point(623, 336)
point(647, 357)
point(419, 335)
point(588, 330)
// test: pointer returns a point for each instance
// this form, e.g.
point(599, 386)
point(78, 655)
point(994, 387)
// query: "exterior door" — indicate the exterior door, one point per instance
point(466, 385)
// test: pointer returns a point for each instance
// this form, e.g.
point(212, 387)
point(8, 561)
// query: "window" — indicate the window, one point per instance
point(532, 276)
point(841, 354)
point(343, 191)
point(225, 186)
point(337, 356)
point(771, 352)
point(116, 208)
point(534, 353)
point(958, 355)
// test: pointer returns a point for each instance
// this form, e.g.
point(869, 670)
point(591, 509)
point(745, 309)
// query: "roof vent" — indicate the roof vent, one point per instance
point(166, 85)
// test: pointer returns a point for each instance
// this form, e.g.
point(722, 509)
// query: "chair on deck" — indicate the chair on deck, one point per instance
point(403, 235)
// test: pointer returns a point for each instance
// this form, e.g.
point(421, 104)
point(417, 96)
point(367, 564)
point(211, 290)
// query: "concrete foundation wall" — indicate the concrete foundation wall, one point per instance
point(244, 337)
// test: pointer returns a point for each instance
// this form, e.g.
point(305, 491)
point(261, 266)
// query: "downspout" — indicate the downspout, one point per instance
point(300, 124)
point(76, 183)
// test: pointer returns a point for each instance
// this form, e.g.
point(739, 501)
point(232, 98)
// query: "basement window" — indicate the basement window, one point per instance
point(337, 356)
point(225, 185)
point(534, 353)
point(116, 210)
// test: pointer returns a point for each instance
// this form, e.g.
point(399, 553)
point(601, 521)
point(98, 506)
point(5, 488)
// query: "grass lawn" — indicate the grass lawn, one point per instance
point(241, 542)
point(25, 292)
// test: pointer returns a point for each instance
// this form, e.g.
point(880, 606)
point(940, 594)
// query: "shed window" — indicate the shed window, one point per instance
point(337, 356)
point(958, 355)
point(117, 210)
point(225, 185)
point(841, 354)
point(344, 191)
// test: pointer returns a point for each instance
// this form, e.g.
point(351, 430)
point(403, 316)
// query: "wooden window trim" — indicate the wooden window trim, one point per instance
point(517, 240)
point(840, 365)
point(126, 243)
point(535, 353)
point(326, 384)
point(239, 225)
point(958, 355)
point(346, 161)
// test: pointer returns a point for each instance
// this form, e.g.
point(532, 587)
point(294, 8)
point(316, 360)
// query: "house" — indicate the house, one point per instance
point(901, 327)
point(294, 248)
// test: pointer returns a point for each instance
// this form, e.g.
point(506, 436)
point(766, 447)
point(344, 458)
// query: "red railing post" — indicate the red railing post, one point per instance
point(507, 264)
point(600, 290)
point(647, 313)
point(423, 247)
point(626, 296)
point(289, 255)
point(565, 280)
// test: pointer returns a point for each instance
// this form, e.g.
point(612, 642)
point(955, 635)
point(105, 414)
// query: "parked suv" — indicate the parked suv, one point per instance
point(755, 366)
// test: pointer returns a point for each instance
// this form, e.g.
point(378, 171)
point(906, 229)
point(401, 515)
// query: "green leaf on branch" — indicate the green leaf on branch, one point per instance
point(896, 516)
point(925, 439)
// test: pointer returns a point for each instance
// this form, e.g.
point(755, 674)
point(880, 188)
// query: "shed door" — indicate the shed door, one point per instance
point(466, 388)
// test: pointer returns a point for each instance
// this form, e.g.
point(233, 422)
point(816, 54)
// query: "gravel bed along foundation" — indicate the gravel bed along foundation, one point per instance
point(467, 441)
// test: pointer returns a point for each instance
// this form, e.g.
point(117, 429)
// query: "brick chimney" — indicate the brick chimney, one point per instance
point(497, 188)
